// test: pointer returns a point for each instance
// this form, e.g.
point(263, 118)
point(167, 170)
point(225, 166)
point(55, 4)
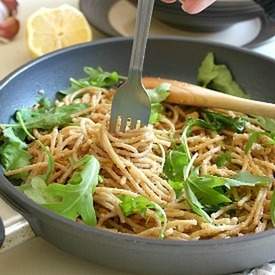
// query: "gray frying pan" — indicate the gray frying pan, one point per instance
point(167, 57)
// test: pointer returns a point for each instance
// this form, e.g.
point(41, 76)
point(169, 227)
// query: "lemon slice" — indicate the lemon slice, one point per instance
point(52, 29)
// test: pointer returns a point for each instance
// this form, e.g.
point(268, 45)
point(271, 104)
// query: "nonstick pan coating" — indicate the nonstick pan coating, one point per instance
point(167, 57)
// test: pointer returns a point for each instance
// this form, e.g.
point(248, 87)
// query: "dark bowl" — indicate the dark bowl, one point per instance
point(167, 57)
point(221, 15)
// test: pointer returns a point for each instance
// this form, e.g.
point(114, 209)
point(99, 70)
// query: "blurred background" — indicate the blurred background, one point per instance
point(241, 23)
point(235, 22)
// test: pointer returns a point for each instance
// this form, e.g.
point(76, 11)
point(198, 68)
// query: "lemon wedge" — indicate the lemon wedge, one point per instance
point(52, 29)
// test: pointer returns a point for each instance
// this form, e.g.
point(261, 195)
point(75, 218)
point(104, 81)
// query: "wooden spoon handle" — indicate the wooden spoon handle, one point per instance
point(189, 94)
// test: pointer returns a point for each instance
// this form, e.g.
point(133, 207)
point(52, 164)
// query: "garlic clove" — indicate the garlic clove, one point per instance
point(9, 28)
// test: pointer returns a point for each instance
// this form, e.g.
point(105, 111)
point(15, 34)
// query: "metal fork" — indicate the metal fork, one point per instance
point(131, 100)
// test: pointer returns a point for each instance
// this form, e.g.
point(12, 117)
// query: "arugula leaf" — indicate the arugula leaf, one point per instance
point(223, 159)
point(13, 153)
point(72, 199)
point(37, 191)
point(47, 119)
point(158, 95)
point(177, 186)
point(139, 205)
point(156, 113)
point(76, 195)
point(266, 123)
point(175, 162)
point(254, 137)
point(219, 122)
point(45, 103)
point(9, 135)
point(50, 168)
point(272, 208)
point(201, 194)
point(218, 77)
point(246, 179)
point(204, 188)
point(207, 192)
point(95, 77)
point(207, 72)
point(194, 203)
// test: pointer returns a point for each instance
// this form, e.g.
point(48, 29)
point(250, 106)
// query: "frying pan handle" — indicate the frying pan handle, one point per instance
point(267, 17)
point(2, 232)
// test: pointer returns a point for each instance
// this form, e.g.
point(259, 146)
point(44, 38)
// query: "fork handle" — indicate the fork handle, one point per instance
point(143, 20)
point(189, 94)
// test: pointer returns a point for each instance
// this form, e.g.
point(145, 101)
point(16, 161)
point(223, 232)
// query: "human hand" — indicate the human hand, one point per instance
point(192, 6)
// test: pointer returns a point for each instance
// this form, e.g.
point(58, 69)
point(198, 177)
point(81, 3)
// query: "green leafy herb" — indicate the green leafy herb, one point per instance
point(219, 122)
point(156, 113)
point(176, 160)
point(139, 205)
point(50, 168)
point(186, 131)
point(95, 77)
point(37, 191)
point(246, 179)
point(13, 153)
point(254, 137)
point(204, 193)
point(179, 159)
point(178, 166)
point(177, 186)
point(267, 124)
point(45, 103)
point(72, 199)
point(194, 203)
point(218, 77)
point(209, 192)
point(158, 95)
point(223, 159)
point(45, 119)
point(272, 208)
point(10, 136)
point(23, 126)
point(204, 188)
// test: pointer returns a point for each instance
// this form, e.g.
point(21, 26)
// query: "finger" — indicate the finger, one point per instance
point(195, 6)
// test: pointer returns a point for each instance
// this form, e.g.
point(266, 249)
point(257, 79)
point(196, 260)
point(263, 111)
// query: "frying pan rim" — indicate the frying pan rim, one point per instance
point(7, 189)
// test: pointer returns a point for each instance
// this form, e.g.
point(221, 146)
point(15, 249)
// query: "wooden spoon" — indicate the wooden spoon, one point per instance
point(193, 95)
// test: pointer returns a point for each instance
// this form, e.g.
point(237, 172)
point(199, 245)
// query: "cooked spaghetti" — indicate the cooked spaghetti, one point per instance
point(133, 170)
